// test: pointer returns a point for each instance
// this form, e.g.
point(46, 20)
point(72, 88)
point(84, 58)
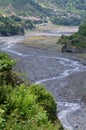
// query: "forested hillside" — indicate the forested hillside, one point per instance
point(70, 12)
point(13, 25)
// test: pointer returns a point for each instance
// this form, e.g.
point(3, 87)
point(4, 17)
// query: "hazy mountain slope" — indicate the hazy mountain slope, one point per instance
point(20, 7)
point(50, 8)
point(76, 6)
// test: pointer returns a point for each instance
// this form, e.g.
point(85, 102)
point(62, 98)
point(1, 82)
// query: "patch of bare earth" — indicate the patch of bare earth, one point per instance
point(43, 42)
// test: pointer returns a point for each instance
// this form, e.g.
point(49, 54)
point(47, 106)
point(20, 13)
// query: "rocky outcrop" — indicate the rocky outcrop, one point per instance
point(76, 42)
point(68, 47)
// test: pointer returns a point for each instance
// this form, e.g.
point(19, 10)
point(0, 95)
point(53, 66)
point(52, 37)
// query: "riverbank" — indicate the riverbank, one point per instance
point(46, 36)
point(63, 74)
point(73, 89)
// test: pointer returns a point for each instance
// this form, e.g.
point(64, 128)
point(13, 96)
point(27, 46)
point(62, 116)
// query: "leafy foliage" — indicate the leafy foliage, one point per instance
point(67, 21)
point(13, 25)
point(45, 99)
point(9, 27)
point(28, 107)
point(82, 30)
point(5, 69)
point(77, 39)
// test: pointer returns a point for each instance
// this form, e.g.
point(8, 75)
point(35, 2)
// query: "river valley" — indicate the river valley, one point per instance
point(64, 75)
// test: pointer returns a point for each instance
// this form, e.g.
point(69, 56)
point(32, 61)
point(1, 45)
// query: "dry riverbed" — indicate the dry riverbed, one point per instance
point(64, 75)
point(42, 42)
point(73, 88)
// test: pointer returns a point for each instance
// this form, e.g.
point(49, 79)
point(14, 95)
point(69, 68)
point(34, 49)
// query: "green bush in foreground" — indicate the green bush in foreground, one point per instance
point(6, 65)
point(45, 99)
point(24, 107)
point(20, 110)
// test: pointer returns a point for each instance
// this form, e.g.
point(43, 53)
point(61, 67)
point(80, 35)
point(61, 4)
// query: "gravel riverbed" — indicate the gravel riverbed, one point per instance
point(63, 75)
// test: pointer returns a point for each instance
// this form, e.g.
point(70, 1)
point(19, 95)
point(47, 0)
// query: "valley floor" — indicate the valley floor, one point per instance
point(64, 75)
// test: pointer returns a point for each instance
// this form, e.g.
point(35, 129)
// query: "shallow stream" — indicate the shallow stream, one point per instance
point(54, 70)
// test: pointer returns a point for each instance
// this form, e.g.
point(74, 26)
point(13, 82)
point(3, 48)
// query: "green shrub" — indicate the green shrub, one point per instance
point(82, 29)
point(77, 39)
point(6, 65)
point(14, 25)
point(24, 107)
point(23, 111)
point(2, 118)
point(45, 99)
point(7, 76)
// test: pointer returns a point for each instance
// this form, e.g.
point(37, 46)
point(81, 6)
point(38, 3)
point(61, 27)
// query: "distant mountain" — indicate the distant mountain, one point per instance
point(65, 10)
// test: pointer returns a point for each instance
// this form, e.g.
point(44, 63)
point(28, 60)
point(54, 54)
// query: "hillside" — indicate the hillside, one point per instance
point(14, 25)
point(9, 26)
point(76, 42)
point(58, 11)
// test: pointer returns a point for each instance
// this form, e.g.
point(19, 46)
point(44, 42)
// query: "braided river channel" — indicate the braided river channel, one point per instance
point(62, 74)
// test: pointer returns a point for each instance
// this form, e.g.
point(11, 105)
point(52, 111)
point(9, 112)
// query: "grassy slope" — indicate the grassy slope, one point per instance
point(31, 6)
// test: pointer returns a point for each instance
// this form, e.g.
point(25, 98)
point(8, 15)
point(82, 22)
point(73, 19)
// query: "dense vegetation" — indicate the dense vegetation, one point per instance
point(67, 21)
point(9, 27)
point(13, 25)
point(77, 40)
point(67, 12)
point(24, 107)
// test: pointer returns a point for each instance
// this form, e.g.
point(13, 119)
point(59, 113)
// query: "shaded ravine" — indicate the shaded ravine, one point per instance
point(73, 67)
